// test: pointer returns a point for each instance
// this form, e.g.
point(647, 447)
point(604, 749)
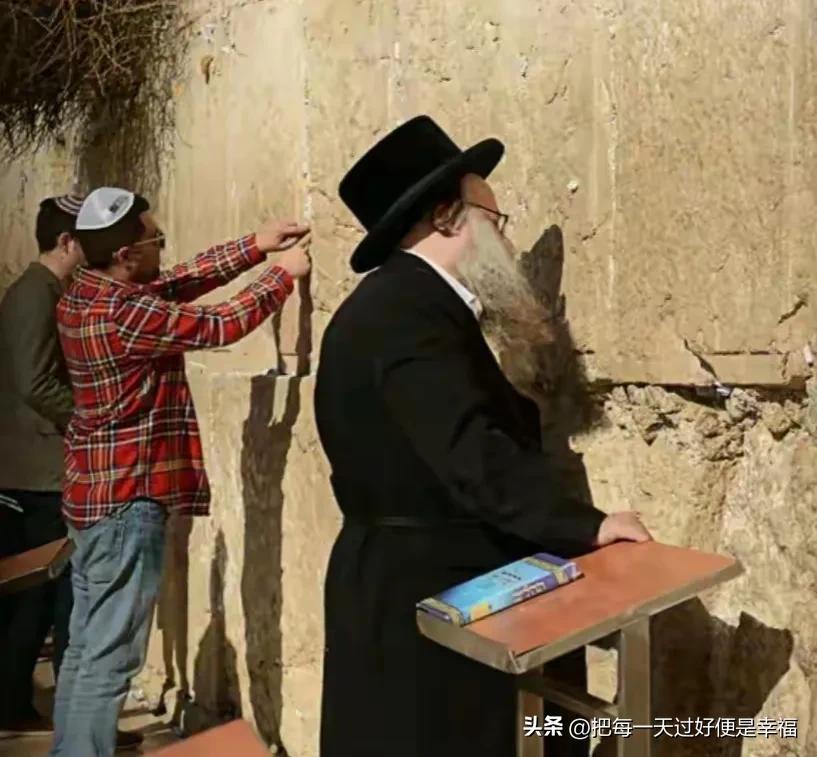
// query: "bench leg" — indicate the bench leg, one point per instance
point(633, 698)
point(528, 704)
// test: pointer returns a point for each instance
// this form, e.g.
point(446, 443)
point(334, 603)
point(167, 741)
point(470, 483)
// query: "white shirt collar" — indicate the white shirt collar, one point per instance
point(465, 294)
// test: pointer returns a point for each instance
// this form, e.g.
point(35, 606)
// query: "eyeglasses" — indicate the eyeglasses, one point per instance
point(502, 218)
point(158, 239)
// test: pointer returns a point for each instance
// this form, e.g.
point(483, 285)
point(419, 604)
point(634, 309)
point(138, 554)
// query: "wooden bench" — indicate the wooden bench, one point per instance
point(236, 739)
point(34, 566)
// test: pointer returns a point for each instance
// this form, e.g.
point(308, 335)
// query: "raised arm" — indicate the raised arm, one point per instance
point(221, 264)
point(208, 270)
point(150, 326)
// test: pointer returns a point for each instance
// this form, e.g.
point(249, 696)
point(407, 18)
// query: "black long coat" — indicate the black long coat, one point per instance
point(417, 419)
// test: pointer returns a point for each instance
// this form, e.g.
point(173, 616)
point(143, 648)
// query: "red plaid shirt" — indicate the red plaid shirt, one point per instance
point(134, 431)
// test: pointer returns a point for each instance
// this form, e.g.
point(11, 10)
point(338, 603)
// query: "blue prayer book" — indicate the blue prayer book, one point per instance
point(501, 588)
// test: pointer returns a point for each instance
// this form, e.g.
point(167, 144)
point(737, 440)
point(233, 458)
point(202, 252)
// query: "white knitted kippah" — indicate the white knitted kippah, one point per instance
point(103, 208)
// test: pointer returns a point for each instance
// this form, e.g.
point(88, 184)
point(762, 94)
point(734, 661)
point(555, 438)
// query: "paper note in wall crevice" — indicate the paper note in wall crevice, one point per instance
point(501, 588)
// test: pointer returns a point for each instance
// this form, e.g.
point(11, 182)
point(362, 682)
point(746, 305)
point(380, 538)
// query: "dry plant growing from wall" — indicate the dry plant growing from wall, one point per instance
point(97, 66)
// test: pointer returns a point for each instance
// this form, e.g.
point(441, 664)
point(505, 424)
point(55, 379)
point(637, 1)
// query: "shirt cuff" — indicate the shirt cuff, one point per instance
point(249, 248)
point(284, 277)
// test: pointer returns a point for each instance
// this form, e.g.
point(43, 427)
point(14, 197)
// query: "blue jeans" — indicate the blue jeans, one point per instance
point(116, 571)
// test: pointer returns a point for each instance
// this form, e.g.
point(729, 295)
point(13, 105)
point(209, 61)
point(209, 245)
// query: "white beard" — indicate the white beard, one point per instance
point(515, 322)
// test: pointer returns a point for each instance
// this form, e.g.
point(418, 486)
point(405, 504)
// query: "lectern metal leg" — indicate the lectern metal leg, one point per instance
point(632, 701)
point(528, 705)
point(633, 698)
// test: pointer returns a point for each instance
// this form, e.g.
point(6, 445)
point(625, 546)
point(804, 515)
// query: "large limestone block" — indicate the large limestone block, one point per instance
point(240, 150)
point(714, 134)
point(623, 128)
point(350, 67)
point(240, 623)
point(199, 646)
point(535, 76)
point(310, 523)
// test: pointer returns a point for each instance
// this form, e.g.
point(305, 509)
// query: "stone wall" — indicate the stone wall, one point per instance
point(22, 185)
point(741, 480)
point(674, 148)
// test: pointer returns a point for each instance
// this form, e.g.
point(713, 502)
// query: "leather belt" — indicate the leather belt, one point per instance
point(407, 521)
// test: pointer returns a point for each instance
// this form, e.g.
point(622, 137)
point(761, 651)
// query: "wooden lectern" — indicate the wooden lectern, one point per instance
point(623, 586)
point(34, 566)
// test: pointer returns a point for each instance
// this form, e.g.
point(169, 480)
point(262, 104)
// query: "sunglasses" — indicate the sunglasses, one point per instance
point(158, 239)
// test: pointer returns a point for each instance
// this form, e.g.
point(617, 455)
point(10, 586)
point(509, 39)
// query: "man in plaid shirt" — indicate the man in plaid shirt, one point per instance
point(133, 450)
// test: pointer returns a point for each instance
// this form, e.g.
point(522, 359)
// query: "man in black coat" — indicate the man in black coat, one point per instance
point(36, 402)
point(437, 462)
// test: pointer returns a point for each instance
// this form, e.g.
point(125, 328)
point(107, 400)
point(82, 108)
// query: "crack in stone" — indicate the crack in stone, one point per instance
point(796, 308)
point(705, 364)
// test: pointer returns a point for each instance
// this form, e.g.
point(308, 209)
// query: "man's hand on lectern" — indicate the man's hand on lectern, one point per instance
point(623, 526)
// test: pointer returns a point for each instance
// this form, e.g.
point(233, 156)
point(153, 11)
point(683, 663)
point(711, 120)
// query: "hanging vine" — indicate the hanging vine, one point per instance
point(65, 62)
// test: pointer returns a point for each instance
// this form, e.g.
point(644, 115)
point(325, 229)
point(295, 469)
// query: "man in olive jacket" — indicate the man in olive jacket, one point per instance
point(35, 407)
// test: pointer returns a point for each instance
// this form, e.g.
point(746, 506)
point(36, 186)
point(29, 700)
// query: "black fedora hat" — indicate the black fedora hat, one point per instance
point(388, 186)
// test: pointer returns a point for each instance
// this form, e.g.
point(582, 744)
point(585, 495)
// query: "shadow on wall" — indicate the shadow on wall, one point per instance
point(172, 614)
point(266, 442)
point(703, 668)
point(566, 404)
point(215, 676)
point(301, 349)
